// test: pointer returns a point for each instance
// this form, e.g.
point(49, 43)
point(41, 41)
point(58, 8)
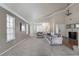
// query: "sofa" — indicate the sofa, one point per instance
point(55, 39)
point(40, 34)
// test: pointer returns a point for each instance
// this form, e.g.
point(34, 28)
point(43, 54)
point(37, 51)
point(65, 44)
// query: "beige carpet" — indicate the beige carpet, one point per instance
point(39, 47)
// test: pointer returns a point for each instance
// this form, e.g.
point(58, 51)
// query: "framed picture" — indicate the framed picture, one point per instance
point(68, 26)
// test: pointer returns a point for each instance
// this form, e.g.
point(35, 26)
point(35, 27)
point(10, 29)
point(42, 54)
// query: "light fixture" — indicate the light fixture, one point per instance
point(68, 12)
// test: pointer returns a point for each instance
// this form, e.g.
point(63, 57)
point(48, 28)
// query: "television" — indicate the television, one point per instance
point(73, 35)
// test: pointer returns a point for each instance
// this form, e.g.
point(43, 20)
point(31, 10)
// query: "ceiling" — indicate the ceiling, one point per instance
point(33, 11)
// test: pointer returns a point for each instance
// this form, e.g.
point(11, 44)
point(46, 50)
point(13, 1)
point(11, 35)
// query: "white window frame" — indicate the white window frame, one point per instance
point(10, 27)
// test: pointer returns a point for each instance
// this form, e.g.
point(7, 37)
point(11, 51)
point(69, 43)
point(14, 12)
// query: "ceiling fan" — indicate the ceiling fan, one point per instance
point(68, 12)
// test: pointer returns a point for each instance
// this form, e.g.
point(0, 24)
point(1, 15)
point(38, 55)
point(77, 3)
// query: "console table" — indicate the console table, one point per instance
point(70, 43)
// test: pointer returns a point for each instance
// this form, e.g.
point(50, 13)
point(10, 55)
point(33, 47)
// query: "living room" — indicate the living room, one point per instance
point(44, 25)
point(61, 22)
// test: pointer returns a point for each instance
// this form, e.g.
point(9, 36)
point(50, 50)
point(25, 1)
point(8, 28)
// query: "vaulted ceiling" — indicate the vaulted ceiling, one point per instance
point(33, 11)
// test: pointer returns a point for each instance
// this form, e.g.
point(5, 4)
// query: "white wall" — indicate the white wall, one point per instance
point(58, 19)
point(19, 35)
point(53, 20)
point(61, 18)
point(31, 29)
point(74, 17)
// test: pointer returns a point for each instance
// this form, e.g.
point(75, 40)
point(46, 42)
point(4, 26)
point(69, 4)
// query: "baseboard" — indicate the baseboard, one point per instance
point(11, 47)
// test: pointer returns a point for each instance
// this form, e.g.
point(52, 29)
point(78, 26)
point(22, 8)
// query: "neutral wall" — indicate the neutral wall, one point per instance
point(73, 18)
point(58, 19)
point(4, 45)
point(52, 20)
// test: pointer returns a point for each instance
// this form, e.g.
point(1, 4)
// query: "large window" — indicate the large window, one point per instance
point(43, 27)
point(39, 28)
point(10, 28)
